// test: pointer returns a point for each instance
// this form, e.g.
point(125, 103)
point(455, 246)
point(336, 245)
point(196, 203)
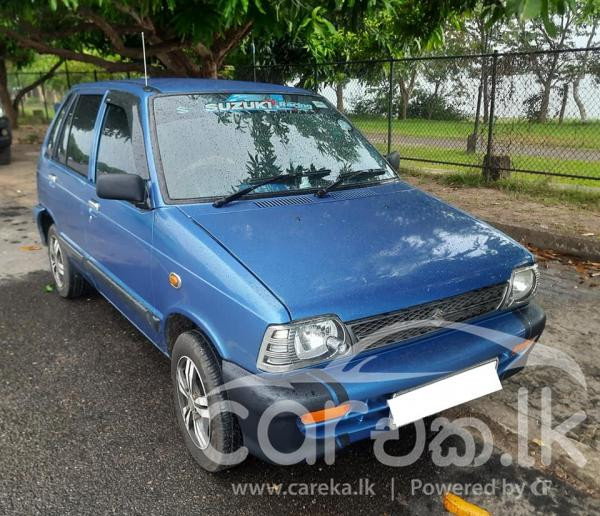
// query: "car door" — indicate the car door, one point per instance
point(66, 171)
point(119, 236)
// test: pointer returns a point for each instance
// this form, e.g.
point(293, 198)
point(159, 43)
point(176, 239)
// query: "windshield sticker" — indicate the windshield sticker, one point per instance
point(319, 104)
point(268, 104)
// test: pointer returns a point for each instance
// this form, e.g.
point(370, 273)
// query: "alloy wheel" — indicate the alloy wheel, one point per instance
point(193, 402)
point(57, 264)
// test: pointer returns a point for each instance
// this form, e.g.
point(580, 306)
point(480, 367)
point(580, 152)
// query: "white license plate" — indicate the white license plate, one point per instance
point(415, 404)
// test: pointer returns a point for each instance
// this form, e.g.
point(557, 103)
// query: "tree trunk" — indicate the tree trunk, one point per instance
point(543, 114)
point(581, 75)
point(578, 101)
point(405, 99)
point(5, 100)
point(210, 68)
point(563, 102)
point(436, 92)
point(406, 92)
point(339, 95)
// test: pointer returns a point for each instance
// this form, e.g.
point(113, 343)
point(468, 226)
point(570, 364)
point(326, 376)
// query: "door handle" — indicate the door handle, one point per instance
point(94, 205)
point(52, 178)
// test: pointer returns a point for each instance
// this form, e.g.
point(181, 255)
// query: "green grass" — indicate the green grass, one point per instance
point(538, 189)
point(571, 133)
point(579, 167)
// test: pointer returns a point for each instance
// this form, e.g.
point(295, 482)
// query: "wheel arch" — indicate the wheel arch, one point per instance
point(178, 322)
point(44, 220)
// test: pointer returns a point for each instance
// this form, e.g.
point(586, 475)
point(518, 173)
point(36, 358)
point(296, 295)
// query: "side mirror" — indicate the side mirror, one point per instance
point(121, 186)
point(393, 158)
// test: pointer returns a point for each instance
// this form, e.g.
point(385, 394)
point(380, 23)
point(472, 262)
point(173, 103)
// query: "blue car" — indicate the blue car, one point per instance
point(305, 295)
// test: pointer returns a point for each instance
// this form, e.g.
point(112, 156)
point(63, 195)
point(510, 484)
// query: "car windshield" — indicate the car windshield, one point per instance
point(213, 145)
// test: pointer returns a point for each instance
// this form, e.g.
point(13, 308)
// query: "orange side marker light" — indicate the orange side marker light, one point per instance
point(522, 346)
point(318, 416)
point(174, 280)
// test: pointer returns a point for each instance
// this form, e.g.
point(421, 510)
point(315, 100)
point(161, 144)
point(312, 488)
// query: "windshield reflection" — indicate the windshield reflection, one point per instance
point(211, 145)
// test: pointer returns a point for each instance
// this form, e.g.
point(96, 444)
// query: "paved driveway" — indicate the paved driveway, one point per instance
point(86, 422)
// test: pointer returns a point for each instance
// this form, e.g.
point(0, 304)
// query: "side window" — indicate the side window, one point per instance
point(61, 151)
point(81, 135)
point(115, 152)
point(53, 137)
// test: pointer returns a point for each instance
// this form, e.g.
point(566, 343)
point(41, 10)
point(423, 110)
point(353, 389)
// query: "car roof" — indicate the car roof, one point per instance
point(184, 85)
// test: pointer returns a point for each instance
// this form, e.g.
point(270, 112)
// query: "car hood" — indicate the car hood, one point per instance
point(360, 252)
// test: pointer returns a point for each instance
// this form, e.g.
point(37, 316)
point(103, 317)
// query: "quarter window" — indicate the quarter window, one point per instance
point(115, 153)
point(81, 133)
point(53, 137)
point(61, 153)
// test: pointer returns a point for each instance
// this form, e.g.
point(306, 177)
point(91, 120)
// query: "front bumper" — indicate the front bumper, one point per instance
point(372, 378)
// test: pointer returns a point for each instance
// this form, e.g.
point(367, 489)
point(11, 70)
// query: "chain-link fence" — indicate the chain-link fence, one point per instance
point(38, 105)
point(530, 113)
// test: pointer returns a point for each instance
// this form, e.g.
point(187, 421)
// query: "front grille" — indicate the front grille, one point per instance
point(407, 321)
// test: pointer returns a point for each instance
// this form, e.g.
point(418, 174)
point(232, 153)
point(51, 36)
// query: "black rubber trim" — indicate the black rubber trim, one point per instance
point(147, 314)
point(284, 433)
point(71, 251)
point(533, 318)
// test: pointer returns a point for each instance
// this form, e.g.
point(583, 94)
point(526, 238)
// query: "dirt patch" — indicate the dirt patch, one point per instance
point(17, 180)
point(30, 134)
point(492, 204)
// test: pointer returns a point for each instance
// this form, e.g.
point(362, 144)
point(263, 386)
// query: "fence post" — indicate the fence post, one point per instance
point(487, 163)
point(390, 103)
point(95, 76)
point(45, 103)
point(67, 76)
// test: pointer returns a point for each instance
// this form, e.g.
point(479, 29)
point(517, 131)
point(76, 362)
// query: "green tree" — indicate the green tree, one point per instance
point(195, 37)
point(11, 55)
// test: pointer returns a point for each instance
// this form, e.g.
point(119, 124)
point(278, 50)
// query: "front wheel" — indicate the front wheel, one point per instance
point(210, 431)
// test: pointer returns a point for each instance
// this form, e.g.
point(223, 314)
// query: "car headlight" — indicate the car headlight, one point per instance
point(290, 346)
point(523, 284)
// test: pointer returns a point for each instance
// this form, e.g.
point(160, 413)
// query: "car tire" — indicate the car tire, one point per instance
point(205, 429)
point(5, 156)
point(69, 283)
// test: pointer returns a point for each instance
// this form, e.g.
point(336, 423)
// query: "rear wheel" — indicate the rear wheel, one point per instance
point(210, 431)
point(69, 283)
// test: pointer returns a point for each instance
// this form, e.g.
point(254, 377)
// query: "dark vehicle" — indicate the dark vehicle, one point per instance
point(5, 139)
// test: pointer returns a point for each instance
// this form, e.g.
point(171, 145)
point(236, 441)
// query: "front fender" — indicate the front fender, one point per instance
point(216, 291)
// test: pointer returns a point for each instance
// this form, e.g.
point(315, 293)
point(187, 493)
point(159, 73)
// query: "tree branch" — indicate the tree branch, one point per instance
point(114, 37)
point(40, 80)
point(44, 48)
point(230, 39)
point(130, 11)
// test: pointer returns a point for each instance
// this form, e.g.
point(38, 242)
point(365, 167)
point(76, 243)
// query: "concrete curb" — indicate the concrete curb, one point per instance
point(587, 248)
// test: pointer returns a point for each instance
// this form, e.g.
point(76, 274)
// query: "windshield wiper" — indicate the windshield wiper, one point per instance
point(347, 177)
point(254, 184)
point(240, 193)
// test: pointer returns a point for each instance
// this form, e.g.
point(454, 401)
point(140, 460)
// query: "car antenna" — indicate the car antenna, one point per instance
point(145, 67)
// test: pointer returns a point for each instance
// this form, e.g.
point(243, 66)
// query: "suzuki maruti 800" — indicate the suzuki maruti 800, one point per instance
point(302, 290)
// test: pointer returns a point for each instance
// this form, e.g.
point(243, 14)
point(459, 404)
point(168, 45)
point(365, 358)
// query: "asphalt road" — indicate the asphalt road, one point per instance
point(87, 427)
